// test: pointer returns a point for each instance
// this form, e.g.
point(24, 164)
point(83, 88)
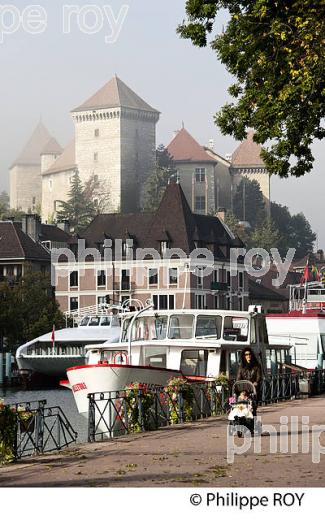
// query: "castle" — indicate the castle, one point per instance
point(115, 142)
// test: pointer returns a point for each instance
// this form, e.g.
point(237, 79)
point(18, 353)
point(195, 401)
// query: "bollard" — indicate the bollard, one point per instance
point(1, 369)
point(8, 367)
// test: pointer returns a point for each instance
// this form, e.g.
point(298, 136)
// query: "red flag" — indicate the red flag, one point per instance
point(305, 275)
point(53, 336)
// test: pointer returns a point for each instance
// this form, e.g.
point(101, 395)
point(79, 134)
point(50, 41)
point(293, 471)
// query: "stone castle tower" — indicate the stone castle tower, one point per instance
point(247, 162)
point(115, 139)
point(25, 172)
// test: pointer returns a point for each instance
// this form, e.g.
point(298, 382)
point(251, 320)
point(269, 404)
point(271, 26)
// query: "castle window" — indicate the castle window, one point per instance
point(96, 156)
point(50, 184)
point(199, 174)
point(97, 132)
point(200, 203)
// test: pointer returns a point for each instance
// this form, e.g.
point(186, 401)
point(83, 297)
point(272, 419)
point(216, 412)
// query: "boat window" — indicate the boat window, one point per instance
point(234, 360)
point(181, 326)
point(84, 321)
point(235, 328)
point(161, 327)
point(208, 326)
point(118, 357)
point(105, 321)
point(194, 362)
point(94, 321)
point(155, 356)
point(125, 329)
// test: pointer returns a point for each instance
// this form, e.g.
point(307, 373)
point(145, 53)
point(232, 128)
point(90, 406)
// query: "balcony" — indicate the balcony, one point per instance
point(219, 286)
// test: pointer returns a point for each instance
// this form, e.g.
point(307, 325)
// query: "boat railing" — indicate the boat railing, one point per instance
point(103, 309)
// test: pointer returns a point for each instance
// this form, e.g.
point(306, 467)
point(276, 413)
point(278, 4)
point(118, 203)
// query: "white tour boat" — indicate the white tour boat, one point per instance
point(302, 329)
point(158, 345)
point(49, 356)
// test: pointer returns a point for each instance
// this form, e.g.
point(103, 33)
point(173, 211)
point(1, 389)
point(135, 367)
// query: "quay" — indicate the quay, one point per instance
point(184, 455)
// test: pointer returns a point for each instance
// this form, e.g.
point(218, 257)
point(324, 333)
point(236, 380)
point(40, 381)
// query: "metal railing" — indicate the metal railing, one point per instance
point(41, 429)
point(112, 414)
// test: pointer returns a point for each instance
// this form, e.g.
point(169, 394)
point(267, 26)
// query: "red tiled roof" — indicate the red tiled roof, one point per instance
point(248, 153)
point(185, 148)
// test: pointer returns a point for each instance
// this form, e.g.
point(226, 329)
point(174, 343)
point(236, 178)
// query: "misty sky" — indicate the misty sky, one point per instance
point(46, 75)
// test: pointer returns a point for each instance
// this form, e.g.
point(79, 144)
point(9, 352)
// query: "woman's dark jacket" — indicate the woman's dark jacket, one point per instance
point(250, 373)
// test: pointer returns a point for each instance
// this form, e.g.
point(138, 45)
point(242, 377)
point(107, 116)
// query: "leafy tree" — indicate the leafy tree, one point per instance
point(248, 202)
point(275, 50)
point(4, 203)
point(157, 182)
point(97, 192)
point(295, 231)
point(80, 207)
point(238, 229)
point(266, 236)
point(28, 309)
point(302, 237)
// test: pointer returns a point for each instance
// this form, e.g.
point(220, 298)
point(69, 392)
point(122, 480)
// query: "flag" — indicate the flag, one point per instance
point(316, 273)
point(53, 336)
point(305, 276)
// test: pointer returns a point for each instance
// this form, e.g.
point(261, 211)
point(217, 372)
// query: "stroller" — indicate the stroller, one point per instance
point(243, 404)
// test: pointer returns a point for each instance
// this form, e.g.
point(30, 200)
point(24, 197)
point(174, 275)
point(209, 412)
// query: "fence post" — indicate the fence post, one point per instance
point(91, 418)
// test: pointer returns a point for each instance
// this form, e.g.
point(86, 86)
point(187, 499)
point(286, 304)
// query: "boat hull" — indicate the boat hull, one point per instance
point(51, 366)
point(89, 379)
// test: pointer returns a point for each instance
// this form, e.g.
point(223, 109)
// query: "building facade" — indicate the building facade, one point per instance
point(203, 174)
point(126, 258)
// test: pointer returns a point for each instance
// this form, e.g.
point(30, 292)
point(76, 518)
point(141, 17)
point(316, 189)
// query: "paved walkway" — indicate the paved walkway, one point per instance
point(183, 455)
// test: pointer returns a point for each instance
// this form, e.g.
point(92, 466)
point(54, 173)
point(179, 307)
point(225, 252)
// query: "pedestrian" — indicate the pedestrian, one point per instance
point(250, 370)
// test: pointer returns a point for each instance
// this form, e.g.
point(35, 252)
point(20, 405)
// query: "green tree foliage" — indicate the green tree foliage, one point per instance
point(266, 236)
point(4, 204)
point(295, 231)
point(81, 206)
point(28, 309)
point(238, 229)
point(157, 182)
point(248, 202)
point(275, 50)
point(7, 213)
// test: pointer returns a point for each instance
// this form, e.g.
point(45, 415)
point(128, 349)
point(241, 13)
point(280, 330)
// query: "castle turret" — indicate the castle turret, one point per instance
point(247, 161)
point(25, 172)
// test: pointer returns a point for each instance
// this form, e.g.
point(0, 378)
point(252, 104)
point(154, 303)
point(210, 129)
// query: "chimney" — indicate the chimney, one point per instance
point(228, 157)
point(31, 225)
point(320, 255)
point(221, 214)
point(211, 144)
point(64, 225)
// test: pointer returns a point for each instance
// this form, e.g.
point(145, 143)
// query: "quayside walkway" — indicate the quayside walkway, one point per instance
point(192, 454)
